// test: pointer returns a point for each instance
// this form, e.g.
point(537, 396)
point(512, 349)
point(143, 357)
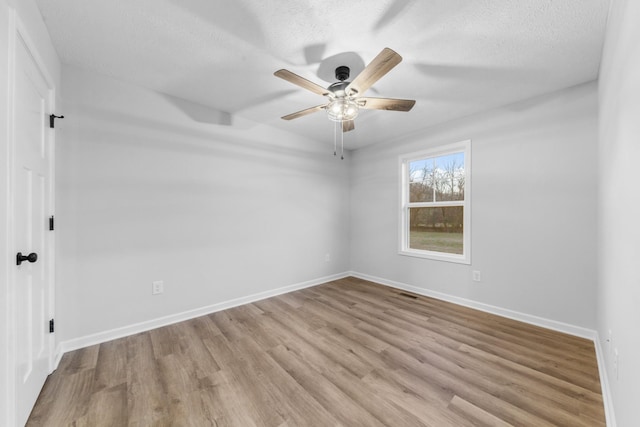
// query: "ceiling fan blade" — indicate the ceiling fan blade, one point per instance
point(386, 104)
point(301, 81)
point(381, 65)
point(304, 112)
point(348, 125)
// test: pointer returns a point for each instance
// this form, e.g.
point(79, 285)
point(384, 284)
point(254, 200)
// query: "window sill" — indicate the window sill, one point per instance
point(436, 256)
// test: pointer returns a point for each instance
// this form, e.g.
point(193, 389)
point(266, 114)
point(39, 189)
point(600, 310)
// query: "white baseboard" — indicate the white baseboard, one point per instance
point(511, 314)
point(136, 328)
point(57, 356)
point(604, 383)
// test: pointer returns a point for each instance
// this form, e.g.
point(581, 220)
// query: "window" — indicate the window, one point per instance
point(435, 215)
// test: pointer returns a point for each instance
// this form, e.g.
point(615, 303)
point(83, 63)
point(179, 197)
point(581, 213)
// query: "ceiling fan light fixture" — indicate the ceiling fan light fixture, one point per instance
point(344, 97)
point(342, 109)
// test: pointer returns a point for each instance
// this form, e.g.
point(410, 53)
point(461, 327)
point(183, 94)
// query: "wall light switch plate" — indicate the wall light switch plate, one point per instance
point(476, 276)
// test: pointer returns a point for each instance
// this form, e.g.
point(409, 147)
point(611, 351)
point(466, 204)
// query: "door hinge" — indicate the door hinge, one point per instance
point(51, 223)
point(51, 326)
point(52, 119)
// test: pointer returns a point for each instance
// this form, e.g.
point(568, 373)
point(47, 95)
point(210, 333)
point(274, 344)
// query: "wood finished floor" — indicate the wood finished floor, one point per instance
point(348, 353)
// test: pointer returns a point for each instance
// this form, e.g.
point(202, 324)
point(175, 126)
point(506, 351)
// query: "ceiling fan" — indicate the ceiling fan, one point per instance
point(345, 98)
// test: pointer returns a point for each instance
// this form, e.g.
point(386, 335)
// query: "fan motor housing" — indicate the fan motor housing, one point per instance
point(338, 88)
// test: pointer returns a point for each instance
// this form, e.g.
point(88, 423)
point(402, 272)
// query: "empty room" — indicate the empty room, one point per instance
point(319, 213)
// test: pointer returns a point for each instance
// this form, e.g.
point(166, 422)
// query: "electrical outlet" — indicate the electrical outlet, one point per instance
point(327, 257)
point(615, 363)
point(610, 342)
point(476, 276)
point(157, 287)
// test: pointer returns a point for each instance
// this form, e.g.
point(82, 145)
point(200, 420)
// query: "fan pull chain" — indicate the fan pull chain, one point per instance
point(342, 142)
point(335, 137)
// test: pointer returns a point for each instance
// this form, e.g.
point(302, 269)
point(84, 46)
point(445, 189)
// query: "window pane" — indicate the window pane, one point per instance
point(421, 181)
point(449, 177)
point(438, 229)
point(420, 192)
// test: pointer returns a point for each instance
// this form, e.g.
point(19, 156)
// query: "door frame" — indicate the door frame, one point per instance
point(18, 33)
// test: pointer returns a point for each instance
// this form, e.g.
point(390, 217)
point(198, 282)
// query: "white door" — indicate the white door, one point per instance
point(31, 207)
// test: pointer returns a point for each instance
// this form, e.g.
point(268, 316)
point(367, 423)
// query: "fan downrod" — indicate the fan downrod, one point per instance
point(342, 73)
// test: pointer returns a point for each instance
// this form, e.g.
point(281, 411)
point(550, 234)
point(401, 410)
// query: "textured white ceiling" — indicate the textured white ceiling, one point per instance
point(460, 56)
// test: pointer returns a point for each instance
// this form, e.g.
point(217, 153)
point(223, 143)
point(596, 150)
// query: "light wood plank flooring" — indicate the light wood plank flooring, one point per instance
point(348, 353)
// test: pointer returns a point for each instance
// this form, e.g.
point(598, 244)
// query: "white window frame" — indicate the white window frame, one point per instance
point(405, 205)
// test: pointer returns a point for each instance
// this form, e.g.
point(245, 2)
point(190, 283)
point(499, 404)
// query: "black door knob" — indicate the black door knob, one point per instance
point(32, 257)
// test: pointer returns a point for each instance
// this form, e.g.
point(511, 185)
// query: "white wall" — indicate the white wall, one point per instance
point(619, 207)
point(28, 18)
point(145, 193)
point(533, 209)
